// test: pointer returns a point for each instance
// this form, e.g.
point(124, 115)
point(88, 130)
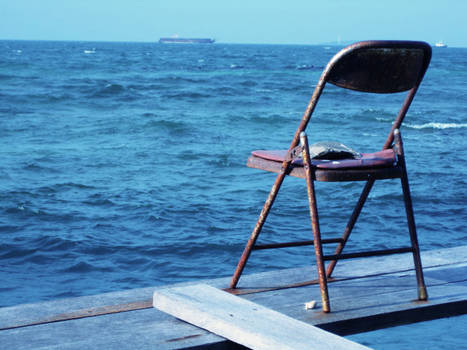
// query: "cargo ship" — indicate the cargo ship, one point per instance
point(186, 41)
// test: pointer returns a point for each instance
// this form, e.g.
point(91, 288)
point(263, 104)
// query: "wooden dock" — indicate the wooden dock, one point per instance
point(368, 294)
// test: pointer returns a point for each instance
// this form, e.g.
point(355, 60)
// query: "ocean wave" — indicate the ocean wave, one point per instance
point(189, 95)
point(248, 83)
point(236, 66)
point(98, 201)
point(172, 126)
point(34, 167)
point(435, 125)
point(270, 119)
point(384, 120)
point(147, 87)
point(304, 67)
point(83, 267)
point(7, 76)
point(110, 90)
point(181, 79)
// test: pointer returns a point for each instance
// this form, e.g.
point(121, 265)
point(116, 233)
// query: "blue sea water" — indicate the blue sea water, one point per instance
point(123, 164)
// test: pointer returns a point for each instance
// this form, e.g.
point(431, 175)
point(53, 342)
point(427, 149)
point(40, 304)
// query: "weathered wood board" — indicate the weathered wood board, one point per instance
point(373, 293)
point(245, 322)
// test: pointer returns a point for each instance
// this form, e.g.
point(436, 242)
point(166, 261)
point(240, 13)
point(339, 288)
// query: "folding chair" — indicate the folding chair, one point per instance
point(372, 67)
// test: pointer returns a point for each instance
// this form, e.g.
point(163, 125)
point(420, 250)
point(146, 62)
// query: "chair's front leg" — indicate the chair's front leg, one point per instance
point(315, 224)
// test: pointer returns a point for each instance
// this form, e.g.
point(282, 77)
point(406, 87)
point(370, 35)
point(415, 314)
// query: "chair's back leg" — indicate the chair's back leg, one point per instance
point(315, 225)
point(350, 224)
point(259, 225)
point(422, 292)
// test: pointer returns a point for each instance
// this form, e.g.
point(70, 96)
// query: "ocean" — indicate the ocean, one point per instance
point(123, 164)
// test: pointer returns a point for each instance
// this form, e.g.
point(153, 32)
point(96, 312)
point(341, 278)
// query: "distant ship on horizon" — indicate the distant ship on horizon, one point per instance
point(440, 44)
point(177, 40)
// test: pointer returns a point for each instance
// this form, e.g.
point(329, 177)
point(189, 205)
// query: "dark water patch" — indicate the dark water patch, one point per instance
point(223, 160)
point(7, 77)
point(35, 213)
point(72, 186)
point(6, 289)
point(182, 80)
point(94, 249)
point(225, 91)
point(39, 258)
point(149, 115)
point(62, 187)
point(249, 83)
point(39, 168)
point(260, 119)
point(188, 95)
point(54, 244)
point(80, 267)
point(147, 87)
point(10, 251)
point(98, 201)
point(10, 229)
point(172, 126)
point(21, 210)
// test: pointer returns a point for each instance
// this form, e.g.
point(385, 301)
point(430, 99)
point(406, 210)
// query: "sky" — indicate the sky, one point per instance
point(236, 21)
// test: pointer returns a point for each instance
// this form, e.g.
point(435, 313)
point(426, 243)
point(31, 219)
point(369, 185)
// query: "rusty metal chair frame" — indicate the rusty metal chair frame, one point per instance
point(369, 66)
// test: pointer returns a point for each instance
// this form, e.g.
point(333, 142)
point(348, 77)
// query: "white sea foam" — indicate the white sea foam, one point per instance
point(89, 51)
point(434, 125)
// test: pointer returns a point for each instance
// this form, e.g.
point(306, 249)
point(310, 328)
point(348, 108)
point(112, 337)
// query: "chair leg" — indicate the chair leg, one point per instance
point(257, 229)
point(422, 292)
point(315, 226)
point(318, 247)
point(350, 224)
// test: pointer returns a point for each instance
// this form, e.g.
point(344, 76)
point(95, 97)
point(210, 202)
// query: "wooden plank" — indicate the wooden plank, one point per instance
point(379, 292)
point(153, 329)
point(244, 322)
point(61, 309)
point(375, 302)
point(142, 330)
point(352, 268)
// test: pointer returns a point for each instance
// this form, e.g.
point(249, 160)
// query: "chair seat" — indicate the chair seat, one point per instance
point(378, 165)
point(385, 158)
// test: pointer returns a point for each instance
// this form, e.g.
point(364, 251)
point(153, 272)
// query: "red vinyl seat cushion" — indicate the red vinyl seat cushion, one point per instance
point(384, 158)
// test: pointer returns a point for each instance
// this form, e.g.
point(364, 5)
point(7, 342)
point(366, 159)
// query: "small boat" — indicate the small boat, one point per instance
point(440, 44)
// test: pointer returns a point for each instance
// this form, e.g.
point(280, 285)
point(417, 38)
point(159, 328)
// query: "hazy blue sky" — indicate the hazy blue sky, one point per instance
point(237, 21)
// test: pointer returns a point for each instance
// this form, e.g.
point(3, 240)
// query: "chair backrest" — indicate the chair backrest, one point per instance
point(376, 67)
point(380, 66)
